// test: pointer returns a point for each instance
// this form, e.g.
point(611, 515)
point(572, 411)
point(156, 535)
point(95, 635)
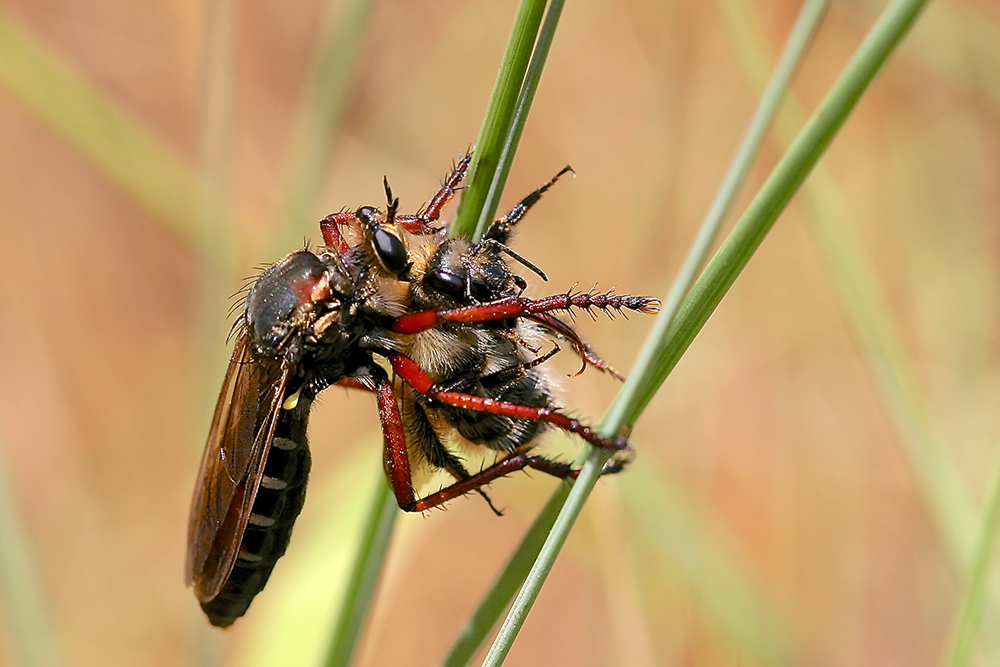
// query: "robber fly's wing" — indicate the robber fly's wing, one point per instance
point(231, 468)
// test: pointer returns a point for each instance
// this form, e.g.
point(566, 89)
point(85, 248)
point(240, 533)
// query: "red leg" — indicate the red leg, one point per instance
point(516, 306)
point(512, 463)
point(355, 383)
point(330, 228)
point(499, 469)
point(397, 459)
point(418, 224)
point(419, 380)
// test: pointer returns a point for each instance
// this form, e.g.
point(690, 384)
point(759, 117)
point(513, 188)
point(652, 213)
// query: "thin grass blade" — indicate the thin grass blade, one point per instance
point(976, 595)
point(721, 273)
point(32, 638)
point(363, 581)
point(524, 100)
point(108, 136)
point(942, 485)
point(497, 123)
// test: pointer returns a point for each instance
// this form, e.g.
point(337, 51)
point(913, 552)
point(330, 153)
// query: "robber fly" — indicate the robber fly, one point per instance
point(437, 328)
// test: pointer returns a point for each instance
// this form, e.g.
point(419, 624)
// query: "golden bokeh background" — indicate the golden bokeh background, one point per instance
point(773, 515)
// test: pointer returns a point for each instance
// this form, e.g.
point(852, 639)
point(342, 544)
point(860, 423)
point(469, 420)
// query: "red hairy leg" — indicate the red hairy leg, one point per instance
point(415, 376)
point(397, 459)
point(517, 306)
point(330, 228)
point(418, 224)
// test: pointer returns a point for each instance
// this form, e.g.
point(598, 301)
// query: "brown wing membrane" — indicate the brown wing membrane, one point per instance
point(231, 468)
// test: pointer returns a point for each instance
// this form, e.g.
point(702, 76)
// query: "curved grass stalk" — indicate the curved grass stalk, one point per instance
point(976, 595)
point(495, 132)
point(809, 19)
point(941, 483)
point(659, 358)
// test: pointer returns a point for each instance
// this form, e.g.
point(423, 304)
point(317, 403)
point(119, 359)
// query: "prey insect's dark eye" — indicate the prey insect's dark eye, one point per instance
point(390, 251)
point(447, 282)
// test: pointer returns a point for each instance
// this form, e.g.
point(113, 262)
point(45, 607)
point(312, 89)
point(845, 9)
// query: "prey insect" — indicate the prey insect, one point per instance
point(437, 328)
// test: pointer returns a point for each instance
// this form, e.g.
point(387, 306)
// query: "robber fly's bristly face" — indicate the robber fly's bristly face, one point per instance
point(436, 328)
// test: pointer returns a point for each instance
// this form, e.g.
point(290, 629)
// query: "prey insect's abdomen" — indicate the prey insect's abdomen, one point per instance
point(277, 504)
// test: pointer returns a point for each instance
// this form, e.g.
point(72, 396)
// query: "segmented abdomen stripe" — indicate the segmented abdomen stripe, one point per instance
point(277, 504)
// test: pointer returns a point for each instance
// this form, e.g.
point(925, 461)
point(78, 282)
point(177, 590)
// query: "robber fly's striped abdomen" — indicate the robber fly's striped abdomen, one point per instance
point(279, 500)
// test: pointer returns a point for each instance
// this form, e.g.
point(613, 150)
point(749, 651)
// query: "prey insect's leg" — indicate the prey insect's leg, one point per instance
point(517, 306)
point(418, 224)
point(424, 436)
point(397, 458)
point(408, 369)
point(500, 229)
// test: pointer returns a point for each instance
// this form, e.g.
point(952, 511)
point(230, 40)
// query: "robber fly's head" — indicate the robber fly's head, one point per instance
point(293, 303)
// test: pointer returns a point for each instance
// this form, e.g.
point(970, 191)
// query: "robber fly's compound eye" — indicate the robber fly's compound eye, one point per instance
point(391, 252)
point(388, 247)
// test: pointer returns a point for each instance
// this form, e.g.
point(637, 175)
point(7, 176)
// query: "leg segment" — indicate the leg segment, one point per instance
point(512, 463)
point(419, 223)
point(397, 459)
point(501, 228)
point(419, 380)
point(582, 349)
point(354, 383)
point(330, 228)
point(516, 306)
point(433, 449)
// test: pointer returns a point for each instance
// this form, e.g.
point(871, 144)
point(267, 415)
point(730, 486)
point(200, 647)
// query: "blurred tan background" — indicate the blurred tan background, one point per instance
point(772, 515)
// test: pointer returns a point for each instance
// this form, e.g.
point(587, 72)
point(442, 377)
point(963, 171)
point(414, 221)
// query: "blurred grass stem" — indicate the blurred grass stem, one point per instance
point(942, 485)
point(976, 593)
point(32, 638)
point(319, 117)
point(363, 580)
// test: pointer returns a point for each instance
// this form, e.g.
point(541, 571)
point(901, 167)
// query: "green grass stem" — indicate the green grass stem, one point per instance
point(658, 359)
point(496, 126)
point(941, 483)
point(976, 594)
point(517, 121)
point(364, 577)
point(32, 639)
